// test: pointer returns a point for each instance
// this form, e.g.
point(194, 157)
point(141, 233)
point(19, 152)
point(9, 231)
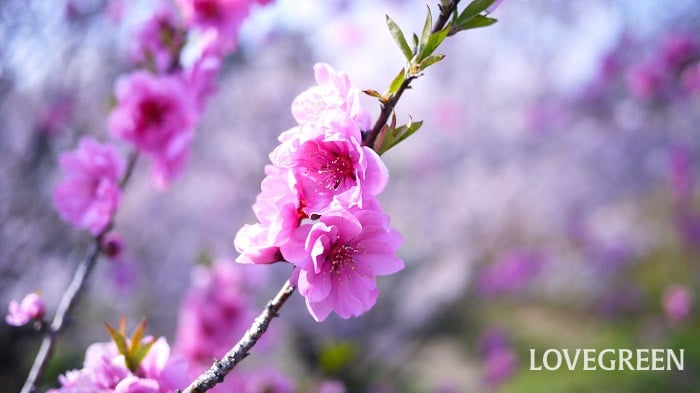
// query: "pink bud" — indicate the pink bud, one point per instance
point(112, 245)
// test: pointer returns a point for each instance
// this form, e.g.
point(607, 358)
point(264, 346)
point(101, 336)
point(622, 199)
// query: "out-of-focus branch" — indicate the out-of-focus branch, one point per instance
point(71, 296)
point(216, 373)
point(387, 107)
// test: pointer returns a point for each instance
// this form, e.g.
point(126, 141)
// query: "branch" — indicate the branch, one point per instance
point(388, 107)
point(71, 296)
point(216, 373)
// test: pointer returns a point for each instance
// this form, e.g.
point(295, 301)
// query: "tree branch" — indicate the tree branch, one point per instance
point(387, 108)
point(216, 373)
point(71, 296)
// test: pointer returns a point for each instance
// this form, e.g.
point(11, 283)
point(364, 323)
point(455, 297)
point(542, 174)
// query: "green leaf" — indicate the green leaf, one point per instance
point(399, 38)
point(415, 44)
point(137, 335)
point(407, 130)
point(434, 41)
point(119, 339)
point(396, 83)
point(476, 22)
point(427, 27)
point(394, 136)
point(473, 9)
point(430, 60)
point(140, 353)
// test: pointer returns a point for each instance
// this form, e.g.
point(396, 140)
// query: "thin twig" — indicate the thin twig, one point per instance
point(71, 296)
point(216, 373)
point(387, 107)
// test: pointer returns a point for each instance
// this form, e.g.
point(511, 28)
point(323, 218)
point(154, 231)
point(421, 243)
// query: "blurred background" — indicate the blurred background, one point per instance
point(549, 201)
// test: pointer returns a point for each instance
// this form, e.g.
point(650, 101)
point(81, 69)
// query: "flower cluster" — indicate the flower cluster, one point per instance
point(317, 209)
point(675, 65)
point(105, 370)
point(157, 107)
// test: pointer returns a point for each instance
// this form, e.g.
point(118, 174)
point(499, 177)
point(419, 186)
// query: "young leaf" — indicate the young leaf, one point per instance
point(434, 41)
point(430, 60)
point(426, 34)
point(473, 9)
point(384, 138)
point(408, 130)
point(396, 83)
point(399, 38)
point(372, 93)
point(476, 22)
point(140, 353)
point(137, 334)
point(119, 339)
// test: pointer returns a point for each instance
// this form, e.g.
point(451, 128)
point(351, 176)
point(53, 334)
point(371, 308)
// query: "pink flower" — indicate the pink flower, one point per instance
point(334, 92)
point(159, 42)
point(133, 384)
point(222, 16)
point(31, 308)
point(329, 163)
point(156, 114)
point(105, 371)
point(279, 211)
point(88, 196)
point(338, 257)
point(677, 302)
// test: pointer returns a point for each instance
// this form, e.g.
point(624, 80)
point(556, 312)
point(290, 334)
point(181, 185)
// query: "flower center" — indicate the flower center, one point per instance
point(151, 113)
point(334, 170)
point(341, 257)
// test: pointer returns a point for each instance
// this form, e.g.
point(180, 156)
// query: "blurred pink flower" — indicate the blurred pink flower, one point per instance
point(647, 81)
point(677, 302)
point(89, 194)
point(159, 42)
point(224, 17)
point(338, 257)
point(31, 308)
point(156, 114)
point(677, 50)
point(499, 359)
point(333, 92)
point(105, 370)
point(215, 312)
point(509, 274)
